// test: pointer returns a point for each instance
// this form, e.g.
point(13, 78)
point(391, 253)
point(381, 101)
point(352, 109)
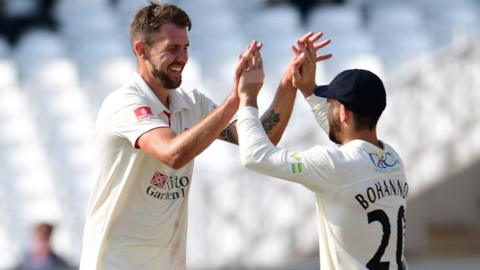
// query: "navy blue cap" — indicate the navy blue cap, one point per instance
point(361, 91)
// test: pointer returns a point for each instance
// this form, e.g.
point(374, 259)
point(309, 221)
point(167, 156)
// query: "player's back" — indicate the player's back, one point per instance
point(362, 222)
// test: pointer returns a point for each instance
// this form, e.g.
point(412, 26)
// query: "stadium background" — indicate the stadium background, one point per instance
point(427, 51)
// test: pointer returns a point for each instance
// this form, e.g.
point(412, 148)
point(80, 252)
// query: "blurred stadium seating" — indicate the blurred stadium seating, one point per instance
point(52, 83)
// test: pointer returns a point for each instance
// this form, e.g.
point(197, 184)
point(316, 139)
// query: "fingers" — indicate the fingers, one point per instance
point(257, 62)
point(248, 54)
point(300, 60)
point(297, 65)
point(306, 37)
point(307, 50)
point(322, 44)
point(309, 42)
point(295, 49)
point(241, 65)
point(315, 37)
point(253, 56)
point(249, 60)
point(311, 51)
point(323, 57)
point(301, 42)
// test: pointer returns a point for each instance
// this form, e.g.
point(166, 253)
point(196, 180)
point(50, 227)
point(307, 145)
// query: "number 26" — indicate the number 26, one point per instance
point(381, 216)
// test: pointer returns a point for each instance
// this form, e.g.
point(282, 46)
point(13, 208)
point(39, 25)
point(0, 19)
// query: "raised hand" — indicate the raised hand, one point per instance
point(302, 68)
point(251, 75)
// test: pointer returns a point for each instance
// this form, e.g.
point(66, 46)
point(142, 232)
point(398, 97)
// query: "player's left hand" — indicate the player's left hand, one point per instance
point(251, 76)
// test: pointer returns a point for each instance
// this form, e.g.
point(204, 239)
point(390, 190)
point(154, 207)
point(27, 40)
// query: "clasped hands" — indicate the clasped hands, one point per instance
point(300, 71)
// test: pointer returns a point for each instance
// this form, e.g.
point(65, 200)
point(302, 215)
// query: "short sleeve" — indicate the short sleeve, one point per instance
point(206, 104)
point(132, 116)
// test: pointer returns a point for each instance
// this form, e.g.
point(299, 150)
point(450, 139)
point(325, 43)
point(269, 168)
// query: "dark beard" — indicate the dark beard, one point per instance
point(165, 80)
point(334, 131)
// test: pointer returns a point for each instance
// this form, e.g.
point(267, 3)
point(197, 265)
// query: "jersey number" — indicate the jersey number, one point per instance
point(381, 216)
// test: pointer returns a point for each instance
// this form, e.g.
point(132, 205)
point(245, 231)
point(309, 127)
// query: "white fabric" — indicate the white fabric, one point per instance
point(137, 214)
point(319, 106)
point(353, 183)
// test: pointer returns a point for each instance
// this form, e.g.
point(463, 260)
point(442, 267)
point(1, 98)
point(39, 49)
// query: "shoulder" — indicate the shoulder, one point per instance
point(121, 98)
point(189, 97)
point(394, 153)
point(330, 154)
point(125, 98)
point(340, 158)
point(190, 93)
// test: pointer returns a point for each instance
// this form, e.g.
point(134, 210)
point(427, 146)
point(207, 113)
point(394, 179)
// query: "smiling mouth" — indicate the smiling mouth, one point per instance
point(176, 69)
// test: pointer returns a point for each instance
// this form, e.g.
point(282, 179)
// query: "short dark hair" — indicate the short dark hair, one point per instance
point(362, 122)
point(146, 23)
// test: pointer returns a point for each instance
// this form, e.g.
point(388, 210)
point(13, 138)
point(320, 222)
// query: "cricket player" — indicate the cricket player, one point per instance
point(360, 186)
point(148, 133)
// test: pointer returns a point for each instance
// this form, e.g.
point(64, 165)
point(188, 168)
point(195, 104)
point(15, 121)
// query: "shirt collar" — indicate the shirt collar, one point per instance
point(367, 146)
point(177, 102)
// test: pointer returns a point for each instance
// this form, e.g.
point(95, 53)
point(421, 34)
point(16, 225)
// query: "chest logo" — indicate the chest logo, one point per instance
point(384, 162)
point(159, 180)
point(164, 187)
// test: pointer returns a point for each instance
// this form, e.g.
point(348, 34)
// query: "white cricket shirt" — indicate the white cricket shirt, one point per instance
point(360, 190)
point(137, 214)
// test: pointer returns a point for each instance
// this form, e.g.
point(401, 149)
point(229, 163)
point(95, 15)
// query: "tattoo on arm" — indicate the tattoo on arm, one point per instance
point(270, 119)
point(229, 135)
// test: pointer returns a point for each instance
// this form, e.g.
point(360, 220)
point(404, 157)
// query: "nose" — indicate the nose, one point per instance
point(182, 56)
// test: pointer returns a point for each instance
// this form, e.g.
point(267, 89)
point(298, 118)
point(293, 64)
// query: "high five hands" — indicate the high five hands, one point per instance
point(250, 75)
point(302, 67)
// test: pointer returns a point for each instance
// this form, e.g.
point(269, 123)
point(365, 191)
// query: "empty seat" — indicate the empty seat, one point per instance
point(113, 73)
point(51, 76)
point(394, 18)
point(335, 18)
point(273, 21)
point(37, 45)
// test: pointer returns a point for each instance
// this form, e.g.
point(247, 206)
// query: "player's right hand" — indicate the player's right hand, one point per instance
point(303, 65)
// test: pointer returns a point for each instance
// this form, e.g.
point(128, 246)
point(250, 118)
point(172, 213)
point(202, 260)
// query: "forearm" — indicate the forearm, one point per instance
point(193, 141)
point(276, 117)
point(259, 154)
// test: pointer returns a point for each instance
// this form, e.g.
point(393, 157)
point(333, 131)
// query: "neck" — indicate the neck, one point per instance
point(364, 135)
point(160, 92)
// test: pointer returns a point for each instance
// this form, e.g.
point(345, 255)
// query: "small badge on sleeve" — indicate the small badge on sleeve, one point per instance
point(143, 113)
point(295, 162)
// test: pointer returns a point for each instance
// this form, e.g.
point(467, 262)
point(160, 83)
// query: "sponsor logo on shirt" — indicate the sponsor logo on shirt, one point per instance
point(159, 180)
point(143, 113)
point(164, 187)
point(385, 162)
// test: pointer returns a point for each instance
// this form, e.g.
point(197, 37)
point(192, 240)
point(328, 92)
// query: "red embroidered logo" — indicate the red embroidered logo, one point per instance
point(143, 113)
point(159, 180)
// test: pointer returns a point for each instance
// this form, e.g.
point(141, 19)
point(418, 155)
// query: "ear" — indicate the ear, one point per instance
point(345, 114)
point(140, 49)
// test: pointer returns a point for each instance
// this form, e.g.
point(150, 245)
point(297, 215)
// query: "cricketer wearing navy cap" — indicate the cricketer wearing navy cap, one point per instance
point(360, 185)
point(359, 91)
